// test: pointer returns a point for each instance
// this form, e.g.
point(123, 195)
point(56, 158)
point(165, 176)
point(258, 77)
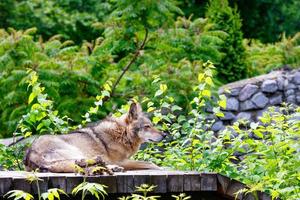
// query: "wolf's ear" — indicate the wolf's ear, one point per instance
point(134, 111)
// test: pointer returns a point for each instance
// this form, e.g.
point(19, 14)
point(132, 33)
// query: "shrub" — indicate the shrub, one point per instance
point(63, 70)
point(262, 58)
point(72, 19)
point(72, 75)
point(269, 163)
point(232, 67)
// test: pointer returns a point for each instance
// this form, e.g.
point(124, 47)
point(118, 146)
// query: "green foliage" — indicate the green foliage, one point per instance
point(145, 189)
point(266, 20)
point(41, 118)
point(53, 193)
point(138, 42)
point(261, 58)
point(93, 189)
point(72, 75)
point(232, 67)
point(270, 162)
point(72, 19)
point(181, 196)
point(19, 194)
point(63, 70)
point(33, 178)
point(11, 157)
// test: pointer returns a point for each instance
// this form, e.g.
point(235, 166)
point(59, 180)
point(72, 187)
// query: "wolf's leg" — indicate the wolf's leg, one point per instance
point(67, 166)
point(134, 165)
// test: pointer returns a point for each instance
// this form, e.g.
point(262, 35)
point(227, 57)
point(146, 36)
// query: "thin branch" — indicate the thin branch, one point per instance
point(135, 56)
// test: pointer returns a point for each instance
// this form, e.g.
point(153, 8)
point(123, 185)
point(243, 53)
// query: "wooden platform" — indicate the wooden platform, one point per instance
point(125, 182)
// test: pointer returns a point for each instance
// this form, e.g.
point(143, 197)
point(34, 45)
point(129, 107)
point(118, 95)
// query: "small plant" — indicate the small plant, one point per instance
point(181, 196)
point(144, 189)
point(18, 194)
point(53, 193)
point(93, 189)
point(34, 178)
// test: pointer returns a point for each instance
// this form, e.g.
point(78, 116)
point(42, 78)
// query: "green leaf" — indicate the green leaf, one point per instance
point(208, 80)
point(163, 87)
point(200, 77)
point(31, 97)
point(156, 119)
point(206, 93)
point(222, 104)
point(258, 133)
point(158, 93)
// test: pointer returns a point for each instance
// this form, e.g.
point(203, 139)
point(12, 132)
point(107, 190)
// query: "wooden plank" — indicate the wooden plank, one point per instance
point(72, 182)
point(109, 181)
point(160, 181)
point(209, 182)
point(43, 185)
point(264, 196)
point(223, 183)
point(125, 184)
point(175, 183)
point(21, 184)
point(192, 183)
point(233, 188)
point(58, 182)
point(249, 197)
point(5, 185)
point(140, 179)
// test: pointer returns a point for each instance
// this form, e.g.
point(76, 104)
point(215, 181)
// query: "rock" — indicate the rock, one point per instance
point(260, 113)
point(247, 105)
point(247, 92)
point(235, 92)
point(209, 108)
point(289, 92)
point(298, 98)
point(290, 86)
point(276, 100)
point(209, 117)
point(291, 99)
point(228, 116)
point(260, 100)
point(217, 126)
point(244, 115)
point(232, 104)
point(269, 86)
point(296, 78)
point(280, 83)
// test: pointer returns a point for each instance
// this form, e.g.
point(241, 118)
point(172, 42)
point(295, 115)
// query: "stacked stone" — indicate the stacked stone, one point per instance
point(250, 99)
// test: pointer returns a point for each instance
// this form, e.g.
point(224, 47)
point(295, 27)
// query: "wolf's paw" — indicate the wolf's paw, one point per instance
point(81, 163)
point(99, 161)
point(115, 168)
point(43, 170)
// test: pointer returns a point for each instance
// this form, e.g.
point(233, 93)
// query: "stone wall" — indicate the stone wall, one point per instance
point(248, 99)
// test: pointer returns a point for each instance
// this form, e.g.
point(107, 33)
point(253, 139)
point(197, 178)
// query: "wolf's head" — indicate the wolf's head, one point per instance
point(141, 125)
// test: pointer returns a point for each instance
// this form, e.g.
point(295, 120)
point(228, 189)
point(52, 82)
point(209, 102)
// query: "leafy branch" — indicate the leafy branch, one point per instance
point(135, 56)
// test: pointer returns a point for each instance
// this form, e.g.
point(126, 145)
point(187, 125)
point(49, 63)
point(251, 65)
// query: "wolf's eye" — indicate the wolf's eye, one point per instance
point(147, 126)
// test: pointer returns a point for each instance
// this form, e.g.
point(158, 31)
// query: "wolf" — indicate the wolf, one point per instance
point(113, 139)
